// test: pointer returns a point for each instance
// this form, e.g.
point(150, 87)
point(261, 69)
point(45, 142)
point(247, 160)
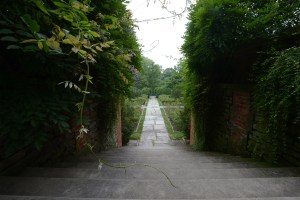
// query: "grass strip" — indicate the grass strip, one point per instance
point(174, 135)
point(137, 134)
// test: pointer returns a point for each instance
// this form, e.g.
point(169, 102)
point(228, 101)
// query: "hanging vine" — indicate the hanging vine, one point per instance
point(76, 35)
point(86, 37)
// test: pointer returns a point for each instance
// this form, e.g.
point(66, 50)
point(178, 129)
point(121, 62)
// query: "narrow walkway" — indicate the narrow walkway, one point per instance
point(154, 129)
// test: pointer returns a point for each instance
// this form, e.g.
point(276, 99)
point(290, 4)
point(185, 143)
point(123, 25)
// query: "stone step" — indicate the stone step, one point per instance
point(151, 189)
point(165, 165)
point(143, 173)
point(162, 159)
point(159, 152)
point(155, 153)
point(5, 197)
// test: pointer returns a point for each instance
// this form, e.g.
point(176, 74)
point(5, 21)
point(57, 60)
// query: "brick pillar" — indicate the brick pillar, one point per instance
point(192, 129)
point(119, 126)
point(240, 121)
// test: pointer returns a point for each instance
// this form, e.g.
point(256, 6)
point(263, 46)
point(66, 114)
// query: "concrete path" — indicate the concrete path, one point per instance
point(154, 132)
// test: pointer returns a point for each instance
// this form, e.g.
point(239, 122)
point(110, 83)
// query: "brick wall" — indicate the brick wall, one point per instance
point(230, 122)
point(240, 121)
point(57, 147)
point(61, 145)
point(232, 125)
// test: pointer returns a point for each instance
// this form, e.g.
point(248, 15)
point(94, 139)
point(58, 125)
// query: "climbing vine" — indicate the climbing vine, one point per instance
point(223, 41)
point(277, 100)
point(196, 99)
point(90, 44)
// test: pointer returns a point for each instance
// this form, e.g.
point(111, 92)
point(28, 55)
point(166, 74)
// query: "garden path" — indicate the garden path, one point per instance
point(154, 132)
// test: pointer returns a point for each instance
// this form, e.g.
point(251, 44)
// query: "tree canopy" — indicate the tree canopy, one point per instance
point(218, 29)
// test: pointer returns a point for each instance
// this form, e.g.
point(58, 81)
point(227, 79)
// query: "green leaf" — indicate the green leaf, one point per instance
point(52, 43)
point(67, 41)
point(99, 48)
point(13, 47)
point(75, 50)
point(41, 6)
point(40, 45)
point(32, 24)
point(29, 41)
point(95, 34)
point(107, 44)
point(62, 5)
point(5, 31)
point(8, 39)
point(82, 52)
point(68, 18)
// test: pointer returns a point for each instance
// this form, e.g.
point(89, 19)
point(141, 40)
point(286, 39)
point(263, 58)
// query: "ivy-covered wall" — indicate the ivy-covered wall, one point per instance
point(252, 44)
point(236, 127)
point(65, 65)
point(260, 145)
point(232, 119)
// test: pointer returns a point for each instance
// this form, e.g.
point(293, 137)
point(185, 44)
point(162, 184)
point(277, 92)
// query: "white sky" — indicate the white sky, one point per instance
point(166, 33)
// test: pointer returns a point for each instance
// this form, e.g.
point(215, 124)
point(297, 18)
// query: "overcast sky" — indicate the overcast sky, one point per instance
point(165, 34)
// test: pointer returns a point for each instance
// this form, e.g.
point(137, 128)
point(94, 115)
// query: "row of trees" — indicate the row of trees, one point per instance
point(153, 80)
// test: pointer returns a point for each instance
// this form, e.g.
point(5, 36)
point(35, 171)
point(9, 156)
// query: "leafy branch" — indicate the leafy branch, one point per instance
point(76, 36)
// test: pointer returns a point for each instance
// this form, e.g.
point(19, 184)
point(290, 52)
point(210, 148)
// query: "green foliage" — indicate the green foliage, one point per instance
point(63, 39)
point(128, 121)
point(222, 39)
point(176, 117)
point(31, 120)
point(135, 136)
point(153, 80)
point(167, 100)
point(148, 79)
point(197, 104)
point(167, 123)
point(214, 28)
point(277, 100)
point(133, 114)
point(199, 101)
point(218, 28)
point(172, 82)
